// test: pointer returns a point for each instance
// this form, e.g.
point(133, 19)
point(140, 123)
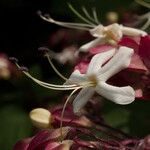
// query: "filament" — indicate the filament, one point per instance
point(55, 69)
point(147, 15)
point(80, 26)
point(146, 25)
point(62, 113)
point(57, 87)
point(95, 16)
point(50, 86)
point(141, 2)
point(80, 16)
point(87, 14)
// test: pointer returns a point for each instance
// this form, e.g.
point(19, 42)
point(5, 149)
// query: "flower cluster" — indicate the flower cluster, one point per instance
point(115, 66)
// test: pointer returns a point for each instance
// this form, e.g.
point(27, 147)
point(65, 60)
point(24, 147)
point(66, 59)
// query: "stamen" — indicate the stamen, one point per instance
point(54, 68)
point(43, 49)
point(80, 26)
point(23, 68)
point(95, 16)
point(46, 51)
point(147, 15)
point(80, 16)
point(15, 60)
point(54, 86)
point(141, 2)
point(50, 86)
point(144, 17)
point(62, 113)
point(146, 25)
point(87, 14)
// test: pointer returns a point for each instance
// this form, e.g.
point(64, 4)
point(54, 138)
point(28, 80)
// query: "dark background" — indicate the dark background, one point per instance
point(22, 31)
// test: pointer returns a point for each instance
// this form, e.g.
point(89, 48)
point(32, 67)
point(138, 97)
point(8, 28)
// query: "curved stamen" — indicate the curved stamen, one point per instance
point(141, 2)
point(54, 86)
point(144, 18)
point(87, 14)
point(80, 26)
point(62, 113)
point(146, 25)
point(47, 85)
point(54, 68)
point(95, 16)
point(79, 15)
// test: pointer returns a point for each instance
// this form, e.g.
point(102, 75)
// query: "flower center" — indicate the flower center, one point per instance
point(110, 35)
point(93, 79)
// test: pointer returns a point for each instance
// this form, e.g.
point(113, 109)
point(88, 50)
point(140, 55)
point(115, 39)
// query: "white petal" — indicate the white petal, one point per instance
point(98, 60)
point(133, 32)
point(98, 31)
point(76, 78)
point(119, 61)
point(120, 95)
point(91, 44)
point(82, 98)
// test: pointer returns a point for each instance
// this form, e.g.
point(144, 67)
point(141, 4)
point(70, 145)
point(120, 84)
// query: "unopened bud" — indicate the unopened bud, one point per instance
point(112, 17)
point(41, 118)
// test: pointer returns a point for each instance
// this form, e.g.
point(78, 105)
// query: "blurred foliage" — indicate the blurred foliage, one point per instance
point(14, 125)
point(133, 118)
point(22, 32)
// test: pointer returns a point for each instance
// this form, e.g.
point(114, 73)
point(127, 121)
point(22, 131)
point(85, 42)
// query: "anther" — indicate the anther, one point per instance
point(39, 12)
point(13, 59)
point(23, 68)
point(47, 16)
point(43, 49)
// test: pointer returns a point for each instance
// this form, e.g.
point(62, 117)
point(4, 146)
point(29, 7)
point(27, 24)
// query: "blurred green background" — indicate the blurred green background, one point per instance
point(21, 33)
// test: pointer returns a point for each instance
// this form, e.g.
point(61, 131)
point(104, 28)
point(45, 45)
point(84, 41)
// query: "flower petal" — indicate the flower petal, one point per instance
point(98, 60)
point(133, 32)
point(82, 98)
point(144, 50)
point(22, 145)
point(120, 95)
point(120, 61)
point(64, 145)
point(98, 31)
point(130, 42)
point(82, 66)
point(86, 47)
point(76, 78)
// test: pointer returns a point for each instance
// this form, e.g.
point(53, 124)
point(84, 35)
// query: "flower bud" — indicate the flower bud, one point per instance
point(41, 118)
point(112, 17)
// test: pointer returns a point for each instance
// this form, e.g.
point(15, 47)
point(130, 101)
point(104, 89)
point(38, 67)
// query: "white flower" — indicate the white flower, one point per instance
point(102, 67)
point(111, 34)
point(97, 75)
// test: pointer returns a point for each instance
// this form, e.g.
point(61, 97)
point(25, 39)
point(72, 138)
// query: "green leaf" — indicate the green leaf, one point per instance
point(15, 125)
